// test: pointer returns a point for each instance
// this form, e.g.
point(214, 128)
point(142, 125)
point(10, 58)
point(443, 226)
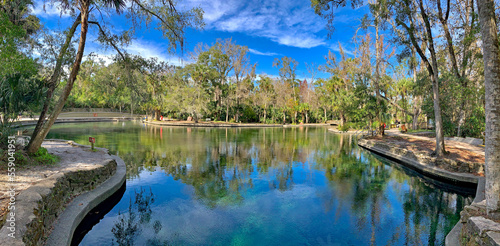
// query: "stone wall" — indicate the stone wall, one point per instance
point(57, 192)
point(476, 229)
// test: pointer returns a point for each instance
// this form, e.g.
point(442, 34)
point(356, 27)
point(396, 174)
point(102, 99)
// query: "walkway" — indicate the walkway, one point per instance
point(479, 150)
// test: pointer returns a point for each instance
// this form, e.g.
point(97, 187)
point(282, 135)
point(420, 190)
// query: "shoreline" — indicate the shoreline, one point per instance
point(224, 124)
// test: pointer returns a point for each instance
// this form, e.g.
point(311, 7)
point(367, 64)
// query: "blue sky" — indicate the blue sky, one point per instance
point(270, 29)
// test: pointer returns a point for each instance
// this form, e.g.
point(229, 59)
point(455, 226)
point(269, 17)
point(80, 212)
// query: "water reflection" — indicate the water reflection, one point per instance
point(128, 225)
point(263, 187)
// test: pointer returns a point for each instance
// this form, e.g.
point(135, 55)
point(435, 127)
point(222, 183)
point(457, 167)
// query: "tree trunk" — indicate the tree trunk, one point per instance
point(237, 118)
point(440, 148)
point(265, 114)
point(377, 76)
point(227, 112)
point(37, 140)
point(491, 57)
point(54, 79)
point(461, 118)
point(451, 51)
point(325, 115)
point(415, 121)
point(157, 114)
point(195, 117)
point(418, 99)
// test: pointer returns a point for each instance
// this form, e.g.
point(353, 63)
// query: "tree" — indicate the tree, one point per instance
point(325, 9)
point(170, 21)
point(322, 96)
point(21, 88)
point(155, 73)
point(380, 12)
point(244, 74)
point(341, 83)
point(287, 69)
point(405, 17)
point(265, 94)
point(491, 54)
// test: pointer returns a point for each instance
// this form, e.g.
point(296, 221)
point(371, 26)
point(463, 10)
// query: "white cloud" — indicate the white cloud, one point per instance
point(143, 48)
point(42, 9)
point(287, 22)
point(336, 47)
point(150, 49)
point(301, 41)
point(253, 51)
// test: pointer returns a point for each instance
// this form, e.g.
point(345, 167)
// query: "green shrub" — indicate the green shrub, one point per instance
point(20, 158)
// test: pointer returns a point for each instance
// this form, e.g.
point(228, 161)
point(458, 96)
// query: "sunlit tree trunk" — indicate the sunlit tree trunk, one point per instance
point(265, 112)
point(37, 140)
point(433, 72)
point(324, 110)
point(418, 99)
point(54, 79)
point(491, 56)
point(377, 77)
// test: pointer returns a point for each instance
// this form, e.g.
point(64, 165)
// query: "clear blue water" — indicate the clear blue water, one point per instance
point(272, 186)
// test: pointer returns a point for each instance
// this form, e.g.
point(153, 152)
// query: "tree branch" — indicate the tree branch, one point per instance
point(396, 105)
point(159, 17)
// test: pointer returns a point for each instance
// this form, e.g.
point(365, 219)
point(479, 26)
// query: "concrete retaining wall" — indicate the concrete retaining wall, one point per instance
point(473, 141)
point(39, 206)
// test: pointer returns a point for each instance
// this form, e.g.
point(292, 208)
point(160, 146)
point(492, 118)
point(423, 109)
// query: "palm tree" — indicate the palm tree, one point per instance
point(42, 129)
point(171, 22)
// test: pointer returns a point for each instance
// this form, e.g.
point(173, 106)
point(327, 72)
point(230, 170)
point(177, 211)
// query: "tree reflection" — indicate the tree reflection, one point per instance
point(139, 213)
point(222, 165)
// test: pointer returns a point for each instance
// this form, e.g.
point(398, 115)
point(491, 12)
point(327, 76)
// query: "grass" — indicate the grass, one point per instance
point(41, 158)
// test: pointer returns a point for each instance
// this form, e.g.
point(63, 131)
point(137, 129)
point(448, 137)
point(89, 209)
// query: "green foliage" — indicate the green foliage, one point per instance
point(474, 125)
point(344, 128)
point(249, 115)
point(20, 158)
point(21, 89)
point(42, 156)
